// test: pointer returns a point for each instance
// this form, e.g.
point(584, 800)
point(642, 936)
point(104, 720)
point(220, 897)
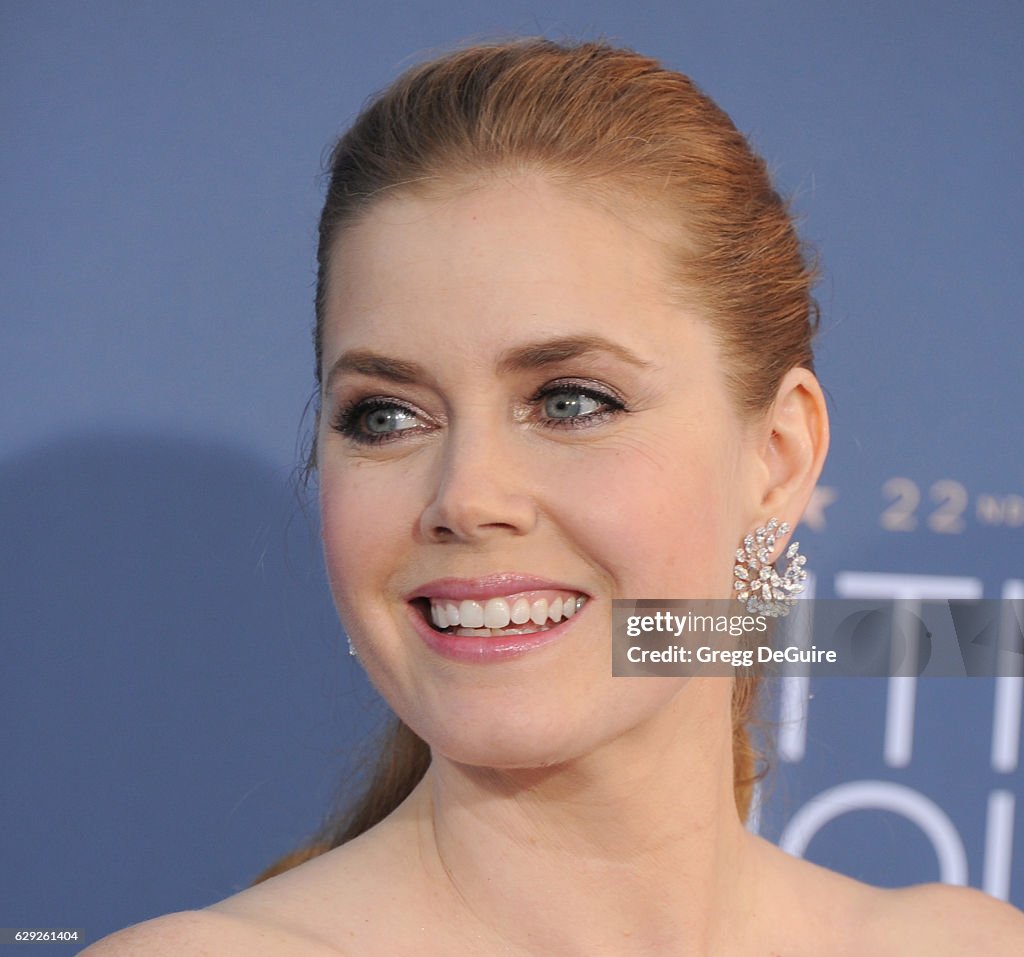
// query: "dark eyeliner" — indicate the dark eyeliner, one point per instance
point(572, 386)
point(349, 415)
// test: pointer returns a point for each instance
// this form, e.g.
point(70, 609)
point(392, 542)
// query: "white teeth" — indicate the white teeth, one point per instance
point(520, 611)
point(471, 614)
point(498, 614)
point(539, 611)
point(555, 610)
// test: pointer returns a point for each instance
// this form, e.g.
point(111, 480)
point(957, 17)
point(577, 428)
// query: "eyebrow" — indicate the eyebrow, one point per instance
point(536, 355)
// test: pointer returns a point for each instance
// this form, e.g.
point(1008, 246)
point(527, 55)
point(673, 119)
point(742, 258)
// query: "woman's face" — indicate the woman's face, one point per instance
point(514, 410)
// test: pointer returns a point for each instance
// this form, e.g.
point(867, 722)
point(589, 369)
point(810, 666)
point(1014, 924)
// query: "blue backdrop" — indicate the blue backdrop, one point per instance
point(177, 707)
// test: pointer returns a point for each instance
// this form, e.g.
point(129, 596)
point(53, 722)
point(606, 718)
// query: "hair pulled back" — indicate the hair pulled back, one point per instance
point(610, 124)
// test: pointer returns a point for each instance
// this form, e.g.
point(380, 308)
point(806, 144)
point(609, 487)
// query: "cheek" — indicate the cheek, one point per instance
point(360, 514)
point(660, 525)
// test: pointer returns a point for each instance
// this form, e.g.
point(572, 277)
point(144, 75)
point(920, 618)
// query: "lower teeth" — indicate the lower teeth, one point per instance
point(494, 632)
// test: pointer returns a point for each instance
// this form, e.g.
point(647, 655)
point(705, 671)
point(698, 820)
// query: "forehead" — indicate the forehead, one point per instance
point(497, 241)
point(467, 273)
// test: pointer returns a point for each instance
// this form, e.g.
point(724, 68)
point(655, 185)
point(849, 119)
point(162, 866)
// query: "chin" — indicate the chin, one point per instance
point(505, 745)
point(524, 730)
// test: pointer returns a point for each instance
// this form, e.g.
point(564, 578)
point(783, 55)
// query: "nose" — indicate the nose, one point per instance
point(481, 490)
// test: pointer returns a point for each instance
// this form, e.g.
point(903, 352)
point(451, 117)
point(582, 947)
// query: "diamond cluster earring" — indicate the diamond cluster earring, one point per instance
point(764, 590)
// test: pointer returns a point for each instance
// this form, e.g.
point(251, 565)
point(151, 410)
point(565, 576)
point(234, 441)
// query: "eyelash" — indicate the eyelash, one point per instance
point(348, 418)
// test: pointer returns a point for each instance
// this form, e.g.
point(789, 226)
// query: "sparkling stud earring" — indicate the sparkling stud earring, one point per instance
point(764, 590)
point(352, 648)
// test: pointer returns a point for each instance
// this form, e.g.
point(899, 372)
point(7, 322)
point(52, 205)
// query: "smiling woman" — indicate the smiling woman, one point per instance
point(563, 338)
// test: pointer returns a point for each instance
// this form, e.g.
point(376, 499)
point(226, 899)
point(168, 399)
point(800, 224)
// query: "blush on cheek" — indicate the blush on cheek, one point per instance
point(655, 525)
point(342, 527)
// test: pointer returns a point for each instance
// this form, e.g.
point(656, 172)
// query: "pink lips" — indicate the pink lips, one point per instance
point(482, 650)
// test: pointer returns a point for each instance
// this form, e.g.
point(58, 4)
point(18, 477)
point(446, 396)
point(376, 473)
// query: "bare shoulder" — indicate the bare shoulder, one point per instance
point(311, 910)
point(360, 898)
point(840, 915)
point(939, 920)
point(205, 932)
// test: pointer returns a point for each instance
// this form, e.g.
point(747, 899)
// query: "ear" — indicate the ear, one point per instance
point(793, 443)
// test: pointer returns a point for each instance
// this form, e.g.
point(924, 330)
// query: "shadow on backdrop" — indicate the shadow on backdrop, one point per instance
point(178, 704)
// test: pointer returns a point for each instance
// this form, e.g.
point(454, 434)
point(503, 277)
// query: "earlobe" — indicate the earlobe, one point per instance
point(795, 442)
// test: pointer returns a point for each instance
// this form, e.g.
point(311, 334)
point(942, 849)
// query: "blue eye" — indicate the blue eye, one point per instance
point(387, 418)
point(570, 404)
point(374, 420)
point(567, 405)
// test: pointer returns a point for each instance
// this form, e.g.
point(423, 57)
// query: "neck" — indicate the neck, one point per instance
point(635, 848)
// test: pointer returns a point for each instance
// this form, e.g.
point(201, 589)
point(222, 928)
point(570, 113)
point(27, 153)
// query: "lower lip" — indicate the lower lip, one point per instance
point(477, 649)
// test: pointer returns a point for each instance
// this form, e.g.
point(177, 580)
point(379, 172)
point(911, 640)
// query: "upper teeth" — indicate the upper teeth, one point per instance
point(499, 612)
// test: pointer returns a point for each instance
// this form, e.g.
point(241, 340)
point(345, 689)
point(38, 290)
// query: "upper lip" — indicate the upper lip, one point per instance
point(497, 585)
